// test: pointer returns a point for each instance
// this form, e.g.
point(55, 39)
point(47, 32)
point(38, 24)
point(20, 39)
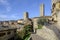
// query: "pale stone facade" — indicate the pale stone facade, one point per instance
point(7, 33)
point(20, 21)
point(35, 24)
point(54, 1)
point(56, 10)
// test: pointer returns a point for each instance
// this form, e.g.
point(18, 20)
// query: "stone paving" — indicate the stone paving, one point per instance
point(36, 37)
point(55, 28)
point(48, 32)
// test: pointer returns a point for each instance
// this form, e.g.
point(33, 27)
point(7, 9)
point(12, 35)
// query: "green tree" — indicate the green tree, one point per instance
point(25, 33)
point(41, 22)
point(20, 34)
point(27, 29)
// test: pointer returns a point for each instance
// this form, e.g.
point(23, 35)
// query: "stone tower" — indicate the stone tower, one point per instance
point(26, 16)
point(42, 10)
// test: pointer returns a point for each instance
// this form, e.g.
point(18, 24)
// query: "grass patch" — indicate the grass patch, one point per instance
point(40, 26)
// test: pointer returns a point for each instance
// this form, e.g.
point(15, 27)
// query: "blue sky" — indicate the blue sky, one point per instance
point(14, 9)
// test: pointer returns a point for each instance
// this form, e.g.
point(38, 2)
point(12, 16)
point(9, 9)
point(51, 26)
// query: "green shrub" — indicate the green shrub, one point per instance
point(40, 26)
point(27, 36)
point(20, 35)
point(25, 33)
point(41, 21)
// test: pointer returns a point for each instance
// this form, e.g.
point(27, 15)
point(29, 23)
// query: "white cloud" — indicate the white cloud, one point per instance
point(15, 16)
point(8, 17)
point(8, 8)
point(6, 4)
point(3, 16)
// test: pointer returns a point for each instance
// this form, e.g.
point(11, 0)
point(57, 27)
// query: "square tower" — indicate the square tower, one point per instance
point(42, 10)
point(26, 16)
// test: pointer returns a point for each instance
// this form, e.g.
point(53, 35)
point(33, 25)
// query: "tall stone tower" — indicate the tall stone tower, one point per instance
point(42, 10)
point(26, 16)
